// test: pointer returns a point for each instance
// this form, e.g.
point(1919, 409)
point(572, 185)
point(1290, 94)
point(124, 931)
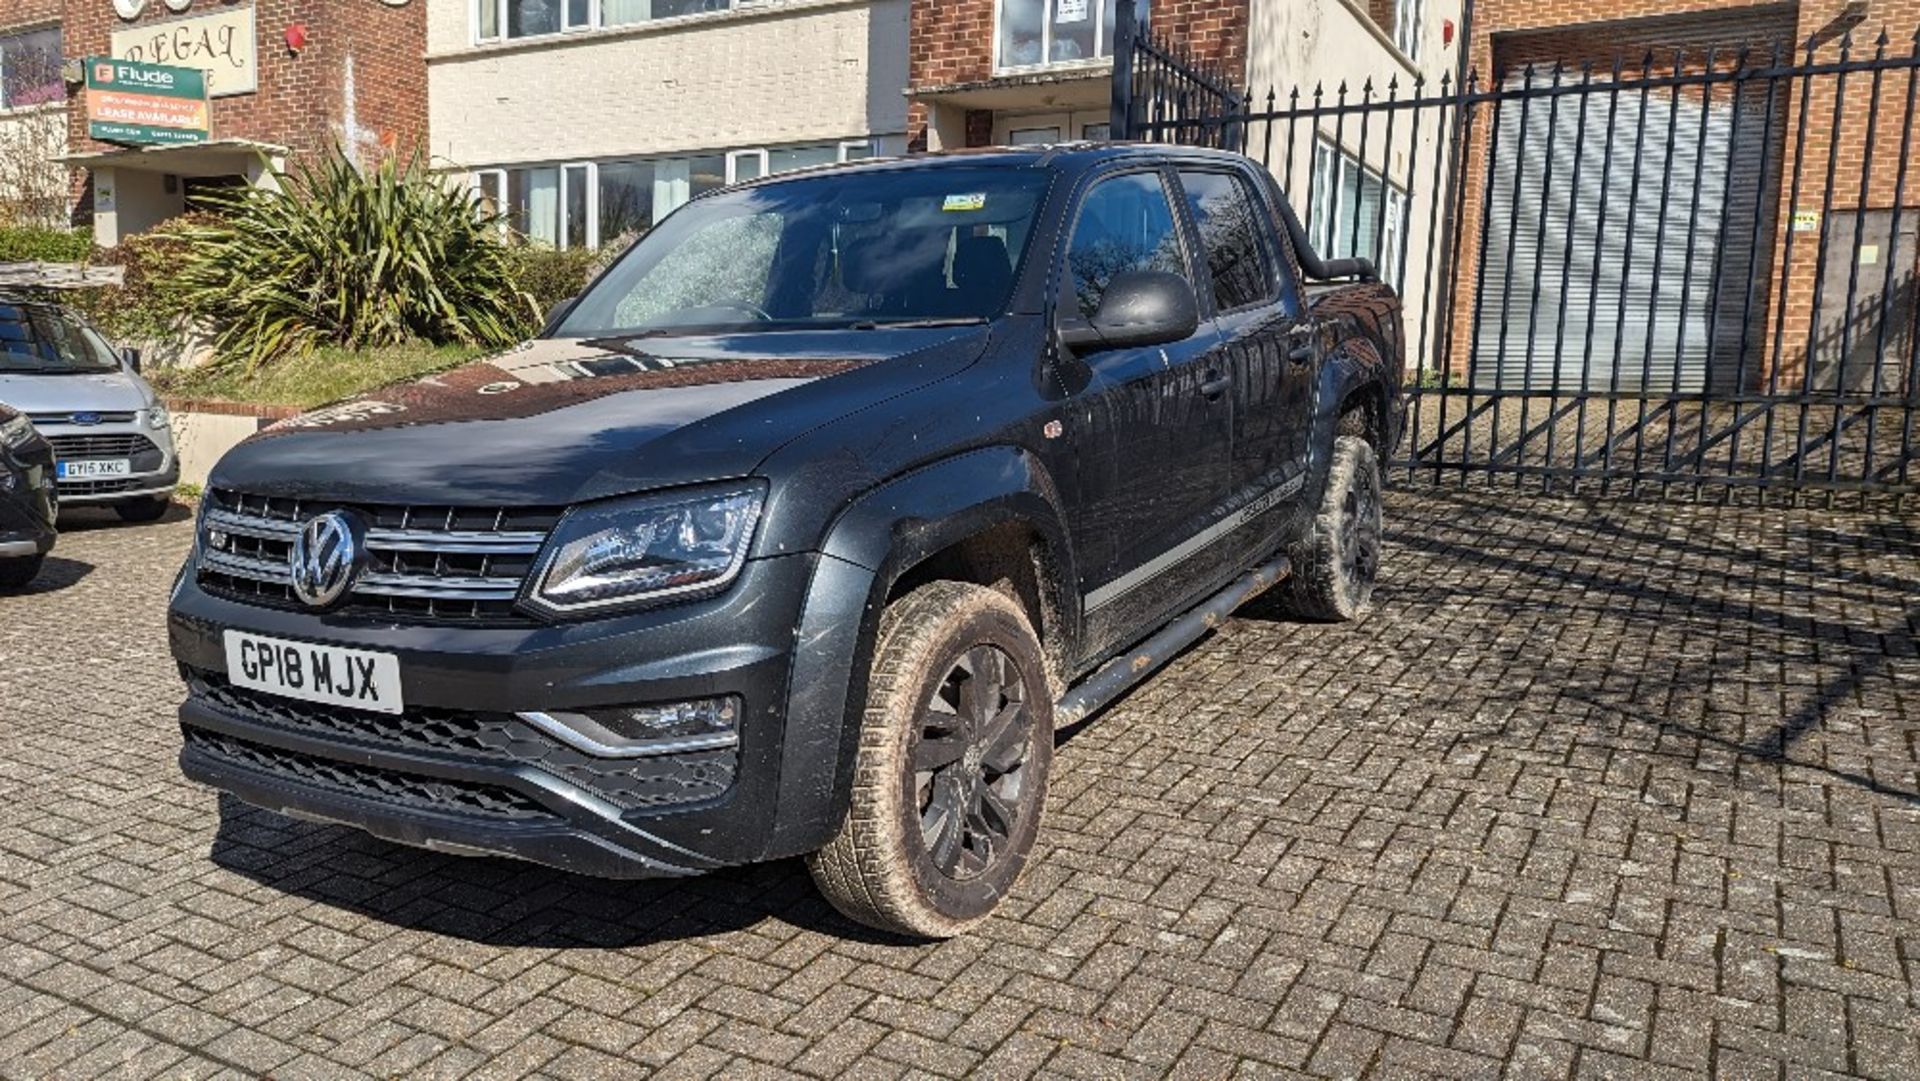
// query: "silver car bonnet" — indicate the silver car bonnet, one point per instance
point(102, 392)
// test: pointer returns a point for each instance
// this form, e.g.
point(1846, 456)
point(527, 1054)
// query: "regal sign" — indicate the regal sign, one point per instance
point(220, 43)
point(145, 104)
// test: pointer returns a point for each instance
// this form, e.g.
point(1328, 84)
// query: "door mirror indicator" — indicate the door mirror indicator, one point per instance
point(1140, 308)
point(131, 358)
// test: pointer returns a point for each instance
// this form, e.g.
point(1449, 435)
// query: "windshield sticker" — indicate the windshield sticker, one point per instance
point(976, 201)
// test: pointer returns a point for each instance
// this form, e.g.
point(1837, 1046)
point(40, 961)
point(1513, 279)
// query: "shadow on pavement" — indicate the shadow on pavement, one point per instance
point(56, 574)
point(85, 519)
point(502, 902)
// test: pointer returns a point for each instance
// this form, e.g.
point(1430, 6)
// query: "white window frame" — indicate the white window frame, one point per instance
point(596, 19)
point(1102, 38)
point(592, 231)
point(1409, 19)
point(1323, 229)
point(566, 14)
point(756, 154)
point(499, 204)
point(847, 145)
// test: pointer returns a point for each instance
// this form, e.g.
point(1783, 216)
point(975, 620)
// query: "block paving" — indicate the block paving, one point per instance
point(1599, 790)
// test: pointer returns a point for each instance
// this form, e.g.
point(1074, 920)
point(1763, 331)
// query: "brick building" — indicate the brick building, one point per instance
point(32, 113)
point(1791, 269)
point(288, 78)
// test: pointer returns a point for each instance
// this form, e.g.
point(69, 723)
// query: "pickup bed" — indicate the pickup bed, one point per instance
point(803, 527)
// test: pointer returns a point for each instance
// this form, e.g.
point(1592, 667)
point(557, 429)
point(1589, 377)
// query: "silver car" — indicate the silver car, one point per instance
point(108, 429)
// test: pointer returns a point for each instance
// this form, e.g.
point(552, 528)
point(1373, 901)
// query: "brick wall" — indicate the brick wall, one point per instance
point(951, 42)
point(20, 14)
point(301, 99)
point(1511, 34)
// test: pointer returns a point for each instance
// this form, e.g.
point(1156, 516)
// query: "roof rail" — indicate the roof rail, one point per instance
point(37, 275)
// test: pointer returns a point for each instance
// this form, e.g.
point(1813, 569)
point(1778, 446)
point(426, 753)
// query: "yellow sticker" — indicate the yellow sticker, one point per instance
point(976, 201)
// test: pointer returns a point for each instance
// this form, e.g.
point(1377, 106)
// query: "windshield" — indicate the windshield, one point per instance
point(43, 339)
point(880, 247)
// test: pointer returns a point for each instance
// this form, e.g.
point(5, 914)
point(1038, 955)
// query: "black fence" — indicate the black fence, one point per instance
point(1692, 272)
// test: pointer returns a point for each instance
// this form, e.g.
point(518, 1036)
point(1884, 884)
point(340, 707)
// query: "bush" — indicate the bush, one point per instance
point(550, 275)
point(148, 307)
point(19, 244)
point(335, 256)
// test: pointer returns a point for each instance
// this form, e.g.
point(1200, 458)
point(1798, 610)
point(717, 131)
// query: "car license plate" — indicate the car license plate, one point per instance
point(334, 675)
point(87, 470)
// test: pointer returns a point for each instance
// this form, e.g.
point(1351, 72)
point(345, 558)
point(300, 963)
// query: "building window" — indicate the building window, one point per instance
point(30, 68)
point(1408, 18)
point(588, 204)
point(1037, 33)
point(495, 20)
point(1346, 216)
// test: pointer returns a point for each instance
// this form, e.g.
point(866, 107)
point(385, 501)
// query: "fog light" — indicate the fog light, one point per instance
point(637, 731)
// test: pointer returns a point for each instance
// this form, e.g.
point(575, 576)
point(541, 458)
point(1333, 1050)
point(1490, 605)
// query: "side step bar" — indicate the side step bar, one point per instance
point(1115, 677)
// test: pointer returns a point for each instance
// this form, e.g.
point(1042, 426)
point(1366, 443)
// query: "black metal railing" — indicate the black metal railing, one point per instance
point(1688, 272)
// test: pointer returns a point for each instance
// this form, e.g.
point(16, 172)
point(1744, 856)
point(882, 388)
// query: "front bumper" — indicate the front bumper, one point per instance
point(460, 772)
point(26, 506)
point(155, 472)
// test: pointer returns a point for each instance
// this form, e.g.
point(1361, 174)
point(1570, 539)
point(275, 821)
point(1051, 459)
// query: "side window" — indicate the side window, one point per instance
point(1226, 214)
point(1125, 224)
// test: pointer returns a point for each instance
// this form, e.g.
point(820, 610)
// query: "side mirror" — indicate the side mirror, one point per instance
point(558, 312)
point(1140, 308)
point(131, 358)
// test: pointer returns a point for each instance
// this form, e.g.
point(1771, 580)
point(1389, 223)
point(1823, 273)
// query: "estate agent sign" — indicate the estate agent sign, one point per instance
point(132, 102)
point(220, 43)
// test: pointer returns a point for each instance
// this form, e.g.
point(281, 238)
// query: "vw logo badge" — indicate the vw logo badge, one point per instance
point(326, 557)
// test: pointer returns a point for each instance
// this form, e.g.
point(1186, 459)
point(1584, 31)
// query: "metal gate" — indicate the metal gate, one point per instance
point(1686, 273)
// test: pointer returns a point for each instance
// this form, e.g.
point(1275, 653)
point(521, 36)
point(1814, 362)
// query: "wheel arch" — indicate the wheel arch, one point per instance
point(970, 517)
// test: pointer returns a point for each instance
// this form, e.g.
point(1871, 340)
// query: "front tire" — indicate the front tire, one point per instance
point(956, 741)
point(150, 509)
point(18, 573)
point(1336, 563)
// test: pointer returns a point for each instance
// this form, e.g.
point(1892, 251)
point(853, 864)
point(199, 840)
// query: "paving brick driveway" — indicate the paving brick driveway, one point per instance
point(1598, 791)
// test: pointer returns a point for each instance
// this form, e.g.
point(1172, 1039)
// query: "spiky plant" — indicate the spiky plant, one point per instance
point(334, 255)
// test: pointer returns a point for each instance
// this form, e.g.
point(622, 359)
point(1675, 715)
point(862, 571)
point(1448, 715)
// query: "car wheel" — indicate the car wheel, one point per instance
point(16, 573)
point(1335, 565)
point(150, 509)
point(956, 740)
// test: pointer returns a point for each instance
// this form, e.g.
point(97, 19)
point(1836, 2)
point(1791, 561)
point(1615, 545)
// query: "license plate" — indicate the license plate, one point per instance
point(86, 470)
point(336, 676)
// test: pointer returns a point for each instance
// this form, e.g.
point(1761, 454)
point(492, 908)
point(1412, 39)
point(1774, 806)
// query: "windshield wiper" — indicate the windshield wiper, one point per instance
point(915, 324)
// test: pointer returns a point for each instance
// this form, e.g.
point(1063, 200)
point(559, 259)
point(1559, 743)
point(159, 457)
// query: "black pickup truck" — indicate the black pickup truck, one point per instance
point(802, 528)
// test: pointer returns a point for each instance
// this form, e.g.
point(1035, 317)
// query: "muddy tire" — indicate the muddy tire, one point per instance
point(1335, 564)
point(17, 573)
point(956, 740)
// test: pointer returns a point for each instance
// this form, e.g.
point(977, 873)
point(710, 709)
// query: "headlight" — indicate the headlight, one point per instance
point(157, 417)
point(635, 551)
point(17, 432)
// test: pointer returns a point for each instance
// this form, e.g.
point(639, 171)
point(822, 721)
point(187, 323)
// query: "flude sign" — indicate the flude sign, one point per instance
point(145, 104)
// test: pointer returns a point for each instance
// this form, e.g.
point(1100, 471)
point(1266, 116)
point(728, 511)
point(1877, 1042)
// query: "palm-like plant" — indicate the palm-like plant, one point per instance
point(337, 256)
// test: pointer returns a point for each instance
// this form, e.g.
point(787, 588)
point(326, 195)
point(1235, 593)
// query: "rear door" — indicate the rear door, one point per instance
point(1266, 349)
point(1146, 438)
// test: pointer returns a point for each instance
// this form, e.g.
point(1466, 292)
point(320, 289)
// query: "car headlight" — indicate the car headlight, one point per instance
point(17, 432)
point(640, 551)
point(157, 417)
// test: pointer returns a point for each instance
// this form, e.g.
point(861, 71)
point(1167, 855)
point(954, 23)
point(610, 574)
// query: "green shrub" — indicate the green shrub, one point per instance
point(550, 275)
point(148, 306)
point(19, 244)
point(335, 256)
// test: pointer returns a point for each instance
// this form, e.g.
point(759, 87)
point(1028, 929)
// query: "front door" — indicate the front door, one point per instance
point(1268, 352)
point(1147, 438)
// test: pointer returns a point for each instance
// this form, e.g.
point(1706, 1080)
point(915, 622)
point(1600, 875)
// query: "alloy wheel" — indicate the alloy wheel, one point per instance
point(969, 762)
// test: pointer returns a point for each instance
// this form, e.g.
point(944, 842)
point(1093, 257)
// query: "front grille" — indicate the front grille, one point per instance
point(410, 790)
point(425, 563)
point(41, 420)
point(107, 445)
point(494, 738)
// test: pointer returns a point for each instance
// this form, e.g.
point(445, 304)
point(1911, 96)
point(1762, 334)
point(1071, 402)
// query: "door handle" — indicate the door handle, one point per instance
point(1215, 385)
point(1306, 341)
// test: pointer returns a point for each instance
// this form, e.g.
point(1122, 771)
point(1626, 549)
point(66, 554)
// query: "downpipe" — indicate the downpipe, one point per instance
point(1119, 675)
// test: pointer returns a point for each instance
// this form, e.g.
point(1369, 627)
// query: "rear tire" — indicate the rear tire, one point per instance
point(1335, 564)
point(19, 573)
point(150, 509)
point(956, 740)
